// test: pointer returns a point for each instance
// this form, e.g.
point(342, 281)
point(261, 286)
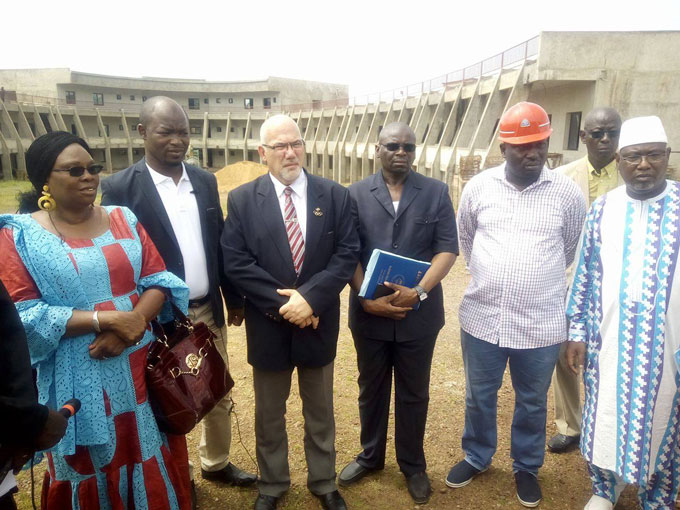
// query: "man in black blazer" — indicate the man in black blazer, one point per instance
point(403, 212)
point(289, 245)
point(179, 206)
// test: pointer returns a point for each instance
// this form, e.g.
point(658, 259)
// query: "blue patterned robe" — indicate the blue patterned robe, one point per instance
point(625, 304)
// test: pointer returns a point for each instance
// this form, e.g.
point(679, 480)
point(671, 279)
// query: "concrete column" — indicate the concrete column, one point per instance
point(226, 139)
point(205, 139)
point(495, 103)
point(39, 124)
point(326, 171)
point(435, 125)
point(24, 127)
point(371, 138)
point(6, 121)
point(245, 139)
point(53, 120)
point(354, 166)
point(402, 116)
point(79, 125)
point(315, 153)
point(447, 133)
point(6, 160)
point(345, 173)
point(107, 141)
point(519, 92)
point(128, 137)
point(60, 120)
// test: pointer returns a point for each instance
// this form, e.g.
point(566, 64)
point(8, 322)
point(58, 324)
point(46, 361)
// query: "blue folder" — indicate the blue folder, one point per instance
point(384, 266)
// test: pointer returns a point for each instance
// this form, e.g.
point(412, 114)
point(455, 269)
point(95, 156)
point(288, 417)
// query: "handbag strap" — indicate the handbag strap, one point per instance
point(180, 319)
point(179, 315)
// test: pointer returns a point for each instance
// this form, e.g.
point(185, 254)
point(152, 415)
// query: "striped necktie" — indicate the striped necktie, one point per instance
point(293, 230)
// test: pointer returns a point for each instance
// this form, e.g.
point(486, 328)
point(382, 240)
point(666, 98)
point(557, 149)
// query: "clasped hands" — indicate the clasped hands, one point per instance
point(297, 310)
point(120, 330)
point(393, 306)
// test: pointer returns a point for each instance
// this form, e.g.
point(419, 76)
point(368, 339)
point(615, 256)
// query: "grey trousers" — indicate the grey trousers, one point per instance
point(316, 391)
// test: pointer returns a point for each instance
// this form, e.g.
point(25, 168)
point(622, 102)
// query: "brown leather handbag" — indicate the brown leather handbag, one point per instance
point(185, 374)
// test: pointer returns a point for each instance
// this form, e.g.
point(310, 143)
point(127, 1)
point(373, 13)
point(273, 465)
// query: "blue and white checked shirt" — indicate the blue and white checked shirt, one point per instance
point(517, 245)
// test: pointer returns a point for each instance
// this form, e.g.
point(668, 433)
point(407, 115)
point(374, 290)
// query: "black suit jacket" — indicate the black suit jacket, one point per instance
point(135, 189)
point(22, 417)
point(424, 225)
point(258, 261)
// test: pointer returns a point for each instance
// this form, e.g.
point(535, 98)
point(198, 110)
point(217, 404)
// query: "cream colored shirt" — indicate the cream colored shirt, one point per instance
point(607, 180)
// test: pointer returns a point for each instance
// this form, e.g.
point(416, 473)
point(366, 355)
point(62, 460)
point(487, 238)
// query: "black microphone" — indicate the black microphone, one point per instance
point(70, 408)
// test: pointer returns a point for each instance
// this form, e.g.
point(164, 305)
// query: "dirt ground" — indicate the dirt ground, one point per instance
point(563, 478)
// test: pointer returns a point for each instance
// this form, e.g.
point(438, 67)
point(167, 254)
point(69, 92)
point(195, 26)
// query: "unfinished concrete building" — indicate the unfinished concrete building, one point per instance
point(455, 116)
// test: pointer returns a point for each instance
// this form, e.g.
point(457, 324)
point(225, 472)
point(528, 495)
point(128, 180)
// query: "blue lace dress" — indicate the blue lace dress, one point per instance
point(113, 455)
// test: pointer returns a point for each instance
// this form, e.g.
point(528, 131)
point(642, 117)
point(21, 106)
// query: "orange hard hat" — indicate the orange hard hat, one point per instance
point(524, 123)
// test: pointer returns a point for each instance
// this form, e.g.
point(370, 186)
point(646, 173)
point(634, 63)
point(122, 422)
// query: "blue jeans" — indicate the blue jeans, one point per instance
point(531, 371)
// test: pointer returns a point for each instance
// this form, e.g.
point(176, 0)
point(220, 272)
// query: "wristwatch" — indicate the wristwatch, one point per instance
point(422, 295)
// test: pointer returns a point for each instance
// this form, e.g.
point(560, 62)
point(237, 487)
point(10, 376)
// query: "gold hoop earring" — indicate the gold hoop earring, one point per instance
point(46, 202)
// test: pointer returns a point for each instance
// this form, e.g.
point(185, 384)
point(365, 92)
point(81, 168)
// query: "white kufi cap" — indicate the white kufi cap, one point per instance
point(642, 130)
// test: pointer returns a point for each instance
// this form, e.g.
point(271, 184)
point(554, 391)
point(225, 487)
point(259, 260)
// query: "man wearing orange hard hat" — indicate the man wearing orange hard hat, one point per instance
point(519, 224)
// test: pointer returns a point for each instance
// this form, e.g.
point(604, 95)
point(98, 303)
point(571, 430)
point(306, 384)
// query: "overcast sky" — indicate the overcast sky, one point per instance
point(369, 45)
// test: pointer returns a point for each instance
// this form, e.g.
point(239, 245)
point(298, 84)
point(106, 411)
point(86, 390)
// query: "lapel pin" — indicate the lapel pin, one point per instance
point(318, 212)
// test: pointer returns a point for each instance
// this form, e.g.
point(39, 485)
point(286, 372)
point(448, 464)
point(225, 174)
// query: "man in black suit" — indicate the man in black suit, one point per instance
point(403, 212)
point(179, 206)
point(289, 245)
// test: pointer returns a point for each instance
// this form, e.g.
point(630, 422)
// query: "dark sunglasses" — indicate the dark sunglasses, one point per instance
point(78, 171)
point(394, 147)
point(611, 133)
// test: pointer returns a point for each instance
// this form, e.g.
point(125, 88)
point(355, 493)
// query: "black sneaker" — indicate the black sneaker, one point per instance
point(462, 474)
point(528, 490)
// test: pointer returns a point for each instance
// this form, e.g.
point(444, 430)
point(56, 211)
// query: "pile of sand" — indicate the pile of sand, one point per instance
point(232, 176)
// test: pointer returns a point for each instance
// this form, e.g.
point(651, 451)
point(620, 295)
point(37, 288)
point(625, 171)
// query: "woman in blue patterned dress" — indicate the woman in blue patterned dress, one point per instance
point(86, 281)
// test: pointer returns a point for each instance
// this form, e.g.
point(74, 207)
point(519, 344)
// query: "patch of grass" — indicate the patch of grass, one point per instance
point(8, 194)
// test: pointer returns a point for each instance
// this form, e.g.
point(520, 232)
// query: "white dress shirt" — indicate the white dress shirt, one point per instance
point(517, 245)
point(299, 197)
point(182, 209)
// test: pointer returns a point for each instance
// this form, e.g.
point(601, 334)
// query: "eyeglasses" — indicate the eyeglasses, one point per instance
point(78, 171)
point(281, 147)
point(653, 158)
point(394, 147)
point(611, 133)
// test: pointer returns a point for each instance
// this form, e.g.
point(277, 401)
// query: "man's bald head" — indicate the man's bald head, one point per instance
point(157, 104)
point(601, 114)
point(274, 124)
point(395, 128)
point(164, 127)
point(396, 149)
point(600, 134)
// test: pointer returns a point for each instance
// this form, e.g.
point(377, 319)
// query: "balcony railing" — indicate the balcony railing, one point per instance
point(509, 58)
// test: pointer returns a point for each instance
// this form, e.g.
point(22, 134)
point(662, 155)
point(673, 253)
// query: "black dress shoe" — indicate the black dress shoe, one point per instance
point(332, 501)
point(264, 502)
point(561, 443)
point(352, 473)
point(230, 474)
point(419, 487)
